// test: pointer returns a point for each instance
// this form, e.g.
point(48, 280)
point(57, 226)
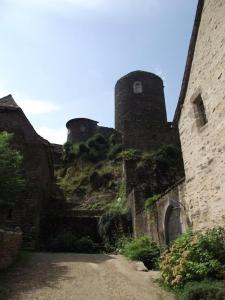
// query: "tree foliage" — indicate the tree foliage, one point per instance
point(11, 180)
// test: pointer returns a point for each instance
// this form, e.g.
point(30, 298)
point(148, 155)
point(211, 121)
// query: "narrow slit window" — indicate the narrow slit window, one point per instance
point(199, 110)
point(137, 87)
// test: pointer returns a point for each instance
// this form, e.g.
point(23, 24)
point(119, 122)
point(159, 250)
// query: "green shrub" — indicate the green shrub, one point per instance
point(98, 142)
point(112, 226)
point(68, 151)
point(83, 149)
point(99, 180)
point(114, 150)
point(11, 179)
point(64, 242)
point(84, 245)
point(119, 204)
point(131, 154)
point(202, 290)
point(194, 256)
point(115, 139)
point(143, 249)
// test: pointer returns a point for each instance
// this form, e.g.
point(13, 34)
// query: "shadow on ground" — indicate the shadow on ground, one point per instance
point(43, 270)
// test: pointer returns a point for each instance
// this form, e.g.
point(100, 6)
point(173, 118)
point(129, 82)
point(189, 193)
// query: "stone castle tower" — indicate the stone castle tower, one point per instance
point(140, 111)
point(140, 118)
point(81, 129)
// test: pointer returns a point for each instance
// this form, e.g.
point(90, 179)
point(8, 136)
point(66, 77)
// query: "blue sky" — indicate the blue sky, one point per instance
point(60, 59)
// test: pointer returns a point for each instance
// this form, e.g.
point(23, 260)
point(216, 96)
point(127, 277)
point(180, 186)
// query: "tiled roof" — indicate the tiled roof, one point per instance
point(8, 101)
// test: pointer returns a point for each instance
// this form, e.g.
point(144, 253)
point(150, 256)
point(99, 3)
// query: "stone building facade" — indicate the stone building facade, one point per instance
point(200, 118)
point(198, 201)
point(140, 118)
point(37, 171)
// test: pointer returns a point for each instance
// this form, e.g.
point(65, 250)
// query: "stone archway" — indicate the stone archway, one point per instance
point(172, 223)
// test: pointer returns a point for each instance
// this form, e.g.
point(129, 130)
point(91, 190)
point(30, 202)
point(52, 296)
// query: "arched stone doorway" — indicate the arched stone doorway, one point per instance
point(172, 223)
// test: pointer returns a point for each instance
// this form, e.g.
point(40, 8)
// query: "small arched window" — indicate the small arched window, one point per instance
point(137, 87)
point(82, 128)
point(199, 111)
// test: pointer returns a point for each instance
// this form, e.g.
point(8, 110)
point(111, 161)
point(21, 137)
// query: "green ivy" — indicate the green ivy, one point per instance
point(11, 179)
point(149, 203)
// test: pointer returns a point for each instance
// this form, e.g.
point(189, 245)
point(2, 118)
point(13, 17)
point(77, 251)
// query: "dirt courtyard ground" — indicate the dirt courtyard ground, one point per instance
point(65, 276)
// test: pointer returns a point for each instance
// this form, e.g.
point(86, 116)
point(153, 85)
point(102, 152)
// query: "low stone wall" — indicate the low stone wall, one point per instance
point(10, 242)
point(166, 219)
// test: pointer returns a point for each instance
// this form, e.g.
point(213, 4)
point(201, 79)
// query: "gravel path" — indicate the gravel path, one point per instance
point(68, 276)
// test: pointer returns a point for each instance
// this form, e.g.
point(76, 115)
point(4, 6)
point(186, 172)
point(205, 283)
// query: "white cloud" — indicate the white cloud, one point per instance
point(53, 135)
point(35, 107)
point(31, 106)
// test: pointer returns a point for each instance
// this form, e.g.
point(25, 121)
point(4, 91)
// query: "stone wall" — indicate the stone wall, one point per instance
point(107, 132)
point(38, 173)
point(164, 220)
point(204, 147)
point(10, 242)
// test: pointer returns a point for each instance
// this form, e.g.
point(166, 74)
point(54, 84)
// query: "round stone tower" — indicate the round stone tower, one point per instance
point(80, 129)
point(140, 112)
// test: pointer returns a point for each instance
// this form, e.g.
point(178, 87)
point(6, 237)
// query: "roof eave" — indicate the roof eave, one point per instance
point(189, 61)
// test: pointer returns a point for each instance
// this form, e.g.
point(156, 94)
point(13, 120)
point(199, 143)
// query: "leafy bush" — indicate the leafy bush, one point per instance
point(67, 151)
point(194, 256)
point(202, 290)
point(98, 180)
point(119, 204)
point(131, 154)
point(83, 149)
point(11, 180)
point(84, 245)
point(143, 249)
point(115, 139)
point(114, 150)
point(98, 142)
point(112, 226)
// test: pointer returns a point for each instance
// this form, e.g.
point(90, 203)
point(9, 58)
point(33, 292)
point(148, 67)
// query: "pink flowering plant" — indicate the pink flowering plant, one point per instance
point(194, 257)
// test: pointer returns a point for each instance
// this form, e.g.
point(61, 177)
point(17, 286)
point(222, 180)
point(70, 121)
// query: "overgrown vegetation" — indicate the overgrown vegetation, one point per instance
point(116, 222)
point(113, 225)
point(11, 179)
point(92, 173)
point(131, 154)
point(206, 289)
point(155, 171)
point(195, 257)
point(95, 149)
point(151, 201)
point(143, 249)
